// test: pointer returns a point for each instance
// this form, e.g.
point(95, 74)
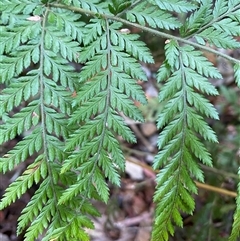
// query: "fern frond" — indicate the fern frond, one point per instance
point(219, 38)
point(59, 43)
point(20, 122)
point(111, 76)
point(57, 96)
point(42, 221)
point(220, 7)
point(237, 74)
point(131, 44)
point(34, 207)
point(178, 142)
point(18, 61)
point(144, 13)
point(71, 229)
point(68, 22)
point(174, 5)
point(229, 26)
point(236, 218)
point(30, 144)
point(72, 121)
point(95, 5)
point(21, 184)
point(196, 61)
point(200, 17)
point(56, 123)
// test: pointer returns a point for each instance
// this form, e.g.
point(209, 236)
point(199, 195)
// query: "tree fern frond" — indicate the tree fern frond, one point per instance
point(181, 124)
point(237, 74)
point(18, 61)
point(95, 5)
point(59, 69)
point(235, 16)
point(119, 127)
point(172, 53)
point(86, 132)
point(200, 82)
point(172, 107)
point(22, 150)
point(91, 88)
point(21, 184)
point(121, 102)
point(90, 108)
point(55, 148)
point(11, 39)
point(144, 14)
point(67, 230)
point(20, 122)
point(57, 96)
point(219, 38)
point(24, 88)
point(124, 82)
point(220, 7)
point(229, 26)
point(196, 61)
point(56, 123)
point(174, 5)
point(42, 221)
point(197, 123)
point(68, 22)
point(236, 218)
point(164, 72)
point(34, 207)
point(199, 103)
point(198, 148)
point(200, 17)
point(131, 44)
point(59, 43)
point(124, 61)
point(72, 119)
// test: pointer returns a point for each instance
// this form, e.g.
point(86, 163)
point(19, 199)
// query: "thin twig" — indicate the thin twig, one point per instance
point(198, 184)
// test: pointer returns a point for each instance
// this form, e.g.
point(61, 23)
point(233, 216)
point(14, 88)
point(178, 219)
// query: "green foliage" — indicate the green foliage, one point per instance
point(70, 121)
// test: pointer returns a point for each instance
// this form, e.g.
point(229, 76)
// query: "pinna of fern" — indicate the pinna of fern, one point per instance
point(30, 46)
point(181, 122)
point(110, 81)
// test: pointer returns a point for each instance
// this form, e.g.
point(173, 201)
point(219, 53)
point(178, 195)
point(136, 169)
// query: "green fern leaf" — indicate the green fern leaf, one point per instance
point(179, 146)
point(42, 221)
point(20, 185)
point(69, 23)
point(237, 74)
point(174, 5)
point(229, 26)
point(220, 8)
point(22, 150)
point(219, 38)
point(14, 65)
point(34, 207)
point(236, 219)
point(196, 61)
point(145, 13)
point(95, 5)
point(20, 122)
point(67, 231)
point(200, 17)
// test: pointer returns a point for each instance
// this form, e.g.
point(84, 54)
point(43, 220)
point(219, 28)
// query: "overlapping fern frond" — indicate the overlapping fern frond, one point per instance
point(32, 47)
point(182, 123)
point(109, 85)
point(69, 122)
